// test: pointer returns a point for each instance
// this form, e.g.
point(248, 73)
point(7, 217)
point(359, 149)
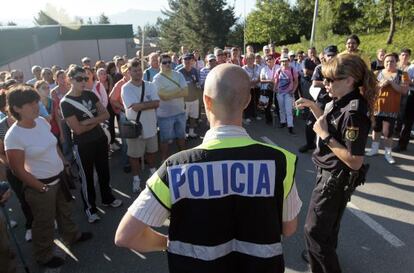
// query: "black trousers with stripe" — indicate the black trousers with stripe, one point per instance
point(322, 226)
point(90, 156)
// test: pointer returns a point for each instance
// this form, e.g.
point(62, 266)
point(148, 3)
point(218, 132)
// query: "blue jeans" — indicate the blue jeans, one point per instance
point(172, 127)
point(285, 101)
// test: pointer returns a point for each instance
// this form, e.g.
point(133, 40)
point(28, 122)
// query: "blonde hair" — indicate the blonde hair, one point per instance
point(351, 65)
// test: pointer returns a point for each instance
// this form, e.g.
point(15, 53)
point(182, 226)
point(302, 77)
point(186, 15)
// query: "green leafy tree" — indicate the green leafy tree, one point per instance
point(236, 36)
point(11, 23)
point(196, 24)
point(273, 20)
point(89, 22)
point(304, 14)
point(103, 19)
point(151, 30)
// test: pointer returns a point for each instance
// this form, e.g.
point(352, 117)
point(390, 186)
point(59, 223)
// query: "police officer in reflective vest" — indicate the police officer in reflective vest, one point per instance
point(342, 131)
point(229, 200)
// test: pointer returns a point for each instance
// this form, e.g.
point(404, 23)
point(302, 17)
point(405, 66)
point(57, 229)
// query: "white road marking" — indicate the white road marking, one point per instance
point(139, 254)
point(121, 193)
point(268, 141)
point(65, 249)
point(378, 228)
point(388, 236)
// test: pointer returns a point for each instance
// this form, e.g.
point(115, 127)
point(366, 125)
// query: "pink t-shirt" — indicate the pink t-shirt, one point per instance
point(284, 79)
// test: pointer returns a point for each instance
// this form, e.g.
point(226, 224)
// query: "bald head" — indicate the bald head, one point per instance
point(228, 86)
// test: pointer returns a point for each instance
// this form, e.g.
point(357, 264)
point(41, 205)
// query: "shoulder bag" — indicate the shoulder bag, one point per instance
point(132, 128)
point(82, 108)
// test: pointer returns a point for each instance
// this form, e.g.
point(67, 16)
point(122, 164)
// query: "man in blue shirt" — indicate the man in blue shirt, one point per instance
point(154, 68)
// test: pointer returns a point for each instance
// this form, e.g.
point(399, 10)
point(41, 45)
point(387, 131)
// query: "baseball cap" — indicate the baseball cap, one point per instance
point(86, 59)
point(291, 53)
point(284, 57)
point(124, 68)
point(309, 64)
point(211, 57)
point(331, 50)
point(188, 56)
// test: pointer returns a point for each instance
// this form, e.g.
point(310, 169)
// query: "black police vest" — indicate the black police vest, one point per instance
point(226, 199)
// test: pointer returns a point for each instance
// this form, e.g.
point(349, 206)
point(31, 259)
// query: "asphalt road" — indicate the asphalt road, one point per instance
point(377, 231)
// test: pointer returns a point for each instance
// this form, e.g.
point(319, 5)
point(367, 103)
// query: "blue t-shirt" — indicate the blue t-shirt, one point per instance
point(149, 74)
point(193, 82)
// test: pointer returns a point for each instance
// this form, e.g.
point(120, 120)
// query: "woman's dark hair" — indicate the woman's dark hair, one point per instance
point(353, 37)
point(392, 54)
point(19, 95)
point(351, 65)
point(109, 66)
point(75, 70)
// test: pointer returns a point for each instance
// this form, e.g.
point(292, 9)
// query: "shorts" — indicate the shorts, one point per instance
point(378, 124)
point(171, 127)
point(137, 147)
point(192, 109)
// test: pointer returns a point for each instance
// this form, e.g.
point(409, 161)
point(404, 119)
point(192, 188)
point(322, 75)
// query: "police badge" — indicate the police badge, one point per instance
point(351, 133)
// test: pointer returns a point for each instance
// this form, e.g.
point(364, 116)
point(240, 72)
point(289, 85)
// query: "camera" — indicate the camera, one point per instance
point(4, 186)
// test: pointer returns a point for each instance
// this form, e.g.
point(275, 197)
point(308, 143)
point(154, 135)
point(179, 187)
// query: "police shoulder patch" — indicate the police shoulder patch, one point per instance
point(351, 133)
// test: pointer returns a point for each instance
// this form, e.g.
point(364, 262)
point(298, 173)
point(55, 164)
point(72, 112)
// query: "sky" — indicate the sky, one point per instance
point(27, 9)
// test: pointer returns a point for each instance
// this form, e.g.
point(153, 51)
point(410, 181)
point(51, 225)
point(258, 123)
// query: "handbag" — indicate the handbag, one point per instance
point(132, 128)
point(82, 108)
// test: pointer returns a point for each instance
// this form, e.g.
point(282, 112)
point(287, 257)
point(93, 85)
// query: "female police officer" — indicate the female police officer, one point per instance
point(342, 131)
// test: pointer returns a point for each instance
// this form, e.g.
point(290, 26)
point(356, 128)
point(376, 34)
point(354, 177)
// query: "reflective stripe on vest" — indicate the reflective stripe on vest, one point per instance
point(210, 253)
point(160, 190)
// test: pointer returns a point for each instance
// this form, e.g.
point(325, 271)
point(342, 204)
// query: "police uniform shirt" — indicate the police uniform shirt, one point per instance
point(323, 96)
point(147, 209)
point(348, 123)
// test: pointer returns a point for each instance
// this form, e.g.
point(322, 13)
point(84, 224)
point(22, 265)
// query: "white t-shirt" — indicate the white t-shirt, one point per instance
point(268, 74)
point(169, 108)
point(131, 94)
point(100, 92)
point(41, 158)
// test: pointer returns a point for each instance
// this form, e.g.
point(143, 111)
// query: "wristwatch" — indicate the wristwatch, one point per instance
point(45, 188)
point(326, 140)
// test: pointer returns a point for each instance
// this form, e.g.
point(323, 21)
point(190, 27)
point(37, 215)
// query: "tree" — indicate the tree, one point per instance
point(196, 24)
point(392, 22)
point(304, 10)
point(44, 19)
point(152, 30)
point(273, 20)
point(103, 19)
point(53, 16)
point(11, 23)
point(89, 22)
point(236, 36)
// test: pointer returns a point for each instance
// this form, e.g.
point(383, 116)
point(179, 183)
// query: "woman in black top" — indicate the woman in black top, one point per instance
point(342, 131)
point(91, 144)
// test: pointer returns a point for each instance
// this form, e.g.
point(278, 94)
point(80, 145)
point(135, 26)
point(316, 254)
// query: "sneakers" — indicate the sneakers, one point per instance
point(282, 125)
point(136, 187)
point(13, 224)
point(54, 262)
point(388, 156)
point(93, 218)
point(192, 136)
point(114, 147)
point(374, 149)
point(258, 118)
point(247, 121)
point(116, 203)
point(28, 235)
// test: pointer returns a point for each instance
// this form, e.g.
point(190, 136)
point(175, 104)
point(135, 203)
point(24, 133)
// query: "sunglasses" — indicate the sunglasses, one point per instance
point(327, 81)
point(81, 79)
point(166, 62)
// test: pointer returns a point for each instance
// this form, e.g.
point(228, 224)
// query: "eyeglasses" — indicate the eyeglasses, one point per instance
point(165, 62)
point(80, 79)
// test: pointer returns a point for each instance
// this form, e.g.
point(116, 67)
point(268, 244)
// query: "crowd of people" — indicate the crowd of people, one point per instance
point(73, 112)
